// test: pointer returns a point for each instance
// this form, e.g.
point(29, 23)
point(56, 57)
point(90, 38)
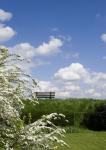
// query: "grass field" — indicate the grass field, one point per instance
point(85, 141)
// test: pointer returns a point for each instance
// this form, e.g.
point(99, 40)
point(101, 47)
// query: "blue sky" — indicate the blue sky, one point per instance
point(56, 35)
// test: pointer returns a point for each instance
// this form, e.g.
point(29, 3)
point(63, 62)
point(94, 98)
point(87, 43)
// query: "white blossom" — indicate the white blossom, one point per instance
point(16, 86)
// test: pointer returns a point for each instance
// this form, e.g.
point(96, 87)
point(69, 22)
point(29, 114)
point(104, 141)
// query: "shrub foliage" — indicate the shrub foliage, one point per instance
point(77, 111)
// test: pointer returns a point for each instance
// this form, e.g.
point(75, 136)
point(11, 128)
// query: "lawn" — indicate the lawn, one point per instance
point(85, 141)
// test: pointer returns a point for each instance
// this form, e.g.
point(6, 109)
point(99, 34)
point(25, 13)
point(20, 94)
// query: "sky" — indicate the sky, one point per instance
point(64, 41)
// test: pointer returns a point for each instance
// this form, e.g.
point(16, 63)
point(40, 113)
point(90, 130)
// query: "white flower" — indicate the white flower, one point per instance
point(13, 132)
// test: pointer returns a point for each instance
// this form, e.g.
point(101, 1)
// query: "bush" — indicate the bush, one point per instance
point(96, 120)
point(75, 110)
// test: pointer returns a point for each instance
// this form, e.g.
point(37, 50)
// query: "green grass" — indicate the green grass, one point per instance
point(85, 140)
point(88, 140)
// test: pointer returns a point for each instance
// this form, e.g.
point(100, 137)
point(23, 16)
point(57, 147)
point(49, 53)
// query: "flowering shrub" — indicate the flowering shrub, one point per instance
point(15, 85)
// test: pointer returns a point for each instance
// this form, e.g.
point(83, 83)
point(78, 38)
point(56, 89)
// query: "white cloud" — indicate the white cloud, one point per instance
point(71, 73)
point(60, 90)
point(6, 33)
point(53, 46)
point(93, 93)
point(89, 84)
point(63, 94)
point(4, 15)
point(71, 87)
point(46, 86)
point(103, 37)
point(26, 50)
point(76, 81)
point(76, 72)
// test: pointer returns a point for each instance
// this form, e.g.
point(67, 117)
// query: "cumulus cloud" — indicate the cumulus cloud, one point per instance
point(4, 15)
point(76, 81)
point(26, 50)
point(71, 73)
point(29, 52)
point(71, 87)
point(6, 33)
point(49, 48)
point(61, 91)
point(103, 37)
point(93, 93)
point(45, 86)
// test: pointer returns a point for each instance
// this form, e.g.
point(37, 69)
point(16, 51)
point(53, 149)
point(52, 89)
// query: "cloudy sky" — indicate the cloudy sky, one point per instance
point(64, 41)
